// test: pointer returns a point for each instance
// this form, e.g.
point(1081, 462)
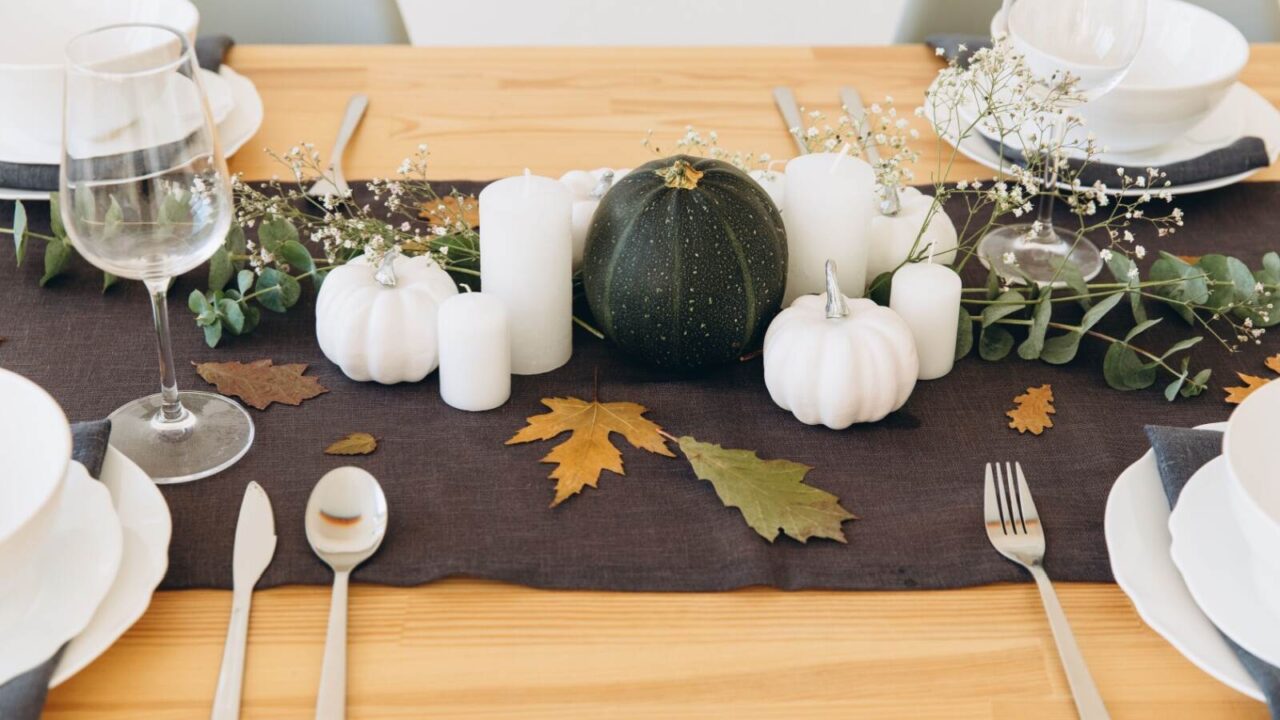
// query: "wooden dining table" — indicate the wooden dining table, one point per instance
point(464, 648)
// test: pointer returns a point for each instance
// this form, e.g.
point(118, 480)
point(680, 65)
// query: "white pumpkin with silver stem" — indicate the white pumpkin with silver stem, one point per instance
point(587, 188)
point(379, 322)
point(836, 361)
point(896, 231)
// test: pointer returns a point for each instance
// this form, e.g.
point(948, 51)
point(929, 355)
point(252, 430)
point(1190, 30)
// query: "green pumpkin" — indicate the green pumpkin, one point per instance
point(686, 262)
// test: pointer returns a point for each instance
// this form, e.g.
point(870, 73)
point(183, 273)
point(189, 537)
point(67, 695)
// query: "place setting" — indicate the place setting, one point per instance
point(696, 369)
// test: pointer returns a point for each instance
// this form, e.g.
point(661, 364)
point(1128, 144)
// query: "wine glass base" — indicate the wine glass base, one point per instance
point(1037, 257)
point(213, 434)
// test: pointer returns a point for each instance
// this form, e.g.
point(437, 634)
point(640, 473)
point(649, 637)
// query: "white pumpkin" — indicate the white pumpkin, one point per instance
point(587, 189)
point(379, 323)
point(894, 236)
point(837, 361)
point(773, 182)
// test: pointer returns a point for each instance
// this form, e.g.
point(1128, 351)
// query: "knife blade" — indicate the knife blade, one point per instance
point(890, 203)
point(254, 548)
point(786, 102)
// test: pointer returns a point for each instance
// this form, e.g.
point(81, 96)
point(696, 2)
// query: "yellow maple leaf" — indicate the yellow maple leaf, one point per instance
point(1273, 363)
point(588, 451)
point(1032, 410)
point(1236, 395)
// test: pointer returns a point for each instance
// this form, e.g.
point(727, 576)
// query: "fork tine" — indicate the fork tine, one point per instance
point(1028, 505)
point(1002, 498)
point(1015, 499)
point(990, 503)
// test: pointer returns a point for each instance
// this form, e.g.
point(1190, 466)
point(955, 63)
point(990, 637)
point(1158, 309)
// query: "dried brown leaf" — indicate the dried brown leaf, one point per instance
point(588, 451)
point(260, 383)
point(357, 443)
point(1032, 410)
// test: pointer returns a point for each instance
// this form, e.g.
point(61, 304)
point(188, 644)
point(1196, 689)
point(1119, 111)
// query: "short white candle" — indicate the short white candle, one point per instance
point(828, 206)
point(475, 352)
point(894, 237)
point(774, 182)
point(526, 261)
point(927, 296)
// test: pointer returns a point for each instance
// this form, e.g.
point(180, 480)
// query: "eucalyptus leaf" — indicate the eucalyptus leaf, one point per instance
point(1181, 345)
point(1119, 265)
point(1193, 288)
point(881, 288)
point(1141, 328)
point(276, 290)
point(1069, 275)
point(212, 334)
point(55, 218)
point(1271, 261)
point(19, 231)
point(196, 302)
point(236, 244)
point(1031, 347)
point(251, 317)
point(1061, 349)
point(993, 285)
point(275, 232)
point(220, 269)
point(1171, 390)
point(297, 256)
point(964, 334)
point(1009, 302)
point(1197, 384)
point(1232, 281)
point(113, 219)
point(994, 343)
point(232, 315)
point(108, 280)
point(1124, 370)
point(1099, 311)
point(57, 256)
point(244, 280)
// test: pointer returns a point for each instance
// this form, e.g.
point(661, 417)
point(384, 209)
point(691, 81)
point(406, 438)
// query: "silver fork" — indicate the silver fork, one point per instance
point(785, 99)
point(1013, 526)
point(335, 183)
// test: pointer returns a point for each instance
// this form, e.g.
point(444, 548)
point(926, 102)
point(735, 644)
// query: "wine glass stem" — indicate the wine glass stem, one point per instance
point(171, 409)
point(1049, 191)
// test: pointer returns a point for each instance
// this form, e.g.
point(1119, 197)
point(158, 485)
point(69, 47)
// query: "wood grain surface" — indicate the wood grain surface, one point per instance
point(471, 649)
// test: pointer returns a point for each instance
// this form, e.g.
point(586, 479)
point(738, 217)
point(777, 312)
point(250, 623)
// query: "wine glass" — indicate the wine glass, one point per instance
point(144, 194)
point(1095, 42)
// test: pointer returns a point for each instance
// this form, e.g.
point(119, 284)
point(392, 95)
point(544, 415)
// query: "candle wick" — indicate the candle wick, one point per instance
point(839, 156)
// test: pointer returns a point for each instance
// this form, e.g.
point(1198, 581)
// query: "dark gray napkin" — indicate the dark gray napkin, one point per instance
point(1242, 155)
point(1179, 454)
point(210, 50)
point(22, 698)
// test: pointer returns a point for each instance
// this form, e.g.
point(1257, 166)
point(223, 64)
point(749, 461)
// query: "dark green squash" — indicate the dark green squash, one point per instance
point(686, 262)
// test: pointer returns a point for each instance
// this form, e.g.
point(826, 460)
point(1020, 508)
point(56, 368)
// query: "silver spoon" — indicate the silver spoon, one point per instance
point(346, 521)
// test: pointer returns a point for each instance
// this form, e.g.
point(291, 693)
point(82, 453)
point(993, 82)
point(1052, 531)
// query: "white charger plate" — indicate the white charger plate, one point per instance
point(147, 528)
point(1242, 113)
point(1138, 540)
point(79, 561)
point(240, 124)
point(1216, 563)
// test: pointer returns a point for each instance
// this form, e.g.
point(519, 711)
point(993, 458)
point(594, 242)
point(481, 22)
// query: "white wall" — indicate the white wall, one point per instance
point(366, 22)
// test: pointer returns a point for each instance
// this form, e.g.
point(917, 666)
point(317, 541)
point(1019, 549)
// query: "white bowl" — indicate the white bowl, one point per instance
point(35, 451)
point(1188, 59)
point(1250, 449)
point(33, 38)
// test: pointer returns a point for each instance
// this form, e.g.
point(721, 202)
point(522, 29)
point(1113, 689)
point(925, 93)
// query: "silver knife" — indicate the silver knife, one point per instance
point(255, 546)
point(786, 102)
point(852, 101)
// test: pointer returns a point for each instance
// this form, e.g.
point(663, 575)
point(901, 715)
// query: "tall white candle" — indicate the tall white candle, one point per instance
point(526, 261)
point(927, 296)
point(475, 352)
point(827, 207)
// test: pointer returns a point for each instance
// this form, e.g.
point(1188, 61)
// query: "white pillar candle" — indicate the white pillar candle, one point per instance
point(828, 206)
point(475, 352)
point(526, 261)
point(894, 236)
point(927, 296)
point(587, 189)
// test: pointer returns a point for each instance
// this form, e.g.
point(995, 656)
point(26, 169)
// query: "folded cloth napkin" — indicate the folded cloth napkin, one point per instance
point(22, 698)
point(1179, 454)
point(1242, 155)
point(210, 50)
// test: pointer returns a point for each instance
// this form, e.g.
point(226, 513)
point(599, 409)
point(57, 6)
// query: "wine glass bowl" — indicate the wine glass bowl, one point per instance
point(1076, 51)
point(144, 194)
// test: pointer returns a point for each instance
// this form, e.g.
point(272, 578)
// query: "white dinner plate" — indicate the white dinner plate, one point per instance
point(1242, 113)
point(1138, 540)
point(1216, 564)
point(241, 123)
point(146, 525)
point(78, 562)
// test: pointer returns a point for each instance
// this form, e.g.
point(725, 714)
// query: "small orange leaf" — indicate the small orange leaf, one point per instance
point(1236, 395)
point(1273, 363)
point(1032, 410)
point(357, 443)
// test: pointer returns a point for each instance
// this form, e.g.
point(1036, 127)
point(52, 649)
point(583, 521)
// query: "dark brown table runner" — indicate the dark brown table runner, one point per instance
point(463, 504)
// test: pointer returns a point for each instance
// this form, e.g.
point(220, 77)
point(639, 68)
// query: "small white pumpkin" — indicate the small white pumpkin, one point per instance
point(379, 323)
point(894, 236)
point(587, 189)
point(837, 361)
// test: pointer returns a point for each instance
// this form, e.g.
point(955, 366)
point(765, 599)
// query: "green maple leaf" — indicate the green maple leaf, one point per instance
point(771, 494)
